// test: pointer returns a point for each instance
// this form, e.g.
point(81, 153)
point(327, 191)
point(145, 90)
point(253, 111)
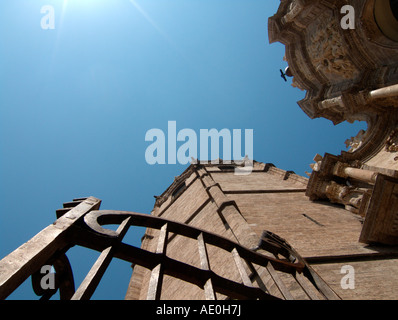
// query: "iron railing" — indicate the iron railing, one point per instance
point(80, 223)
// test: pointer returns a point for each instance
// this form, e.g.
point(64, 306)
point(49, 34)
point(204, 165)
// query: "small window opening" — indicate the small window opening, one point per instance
point(226, 168)
point(179, 189)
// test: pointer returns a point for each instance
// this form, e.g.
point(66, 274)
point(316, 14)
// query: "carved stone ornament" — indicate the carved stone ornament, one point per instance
point(339, 169)
point(346, 195)
point(392, 142)
point(294, 9)
point(327, 51)
point(354, 143)
point(318, 162)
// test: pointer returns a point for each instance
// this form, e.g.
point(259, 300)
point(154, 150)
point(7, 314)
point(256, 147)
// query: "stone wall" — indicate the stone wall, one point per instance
point(268, 199)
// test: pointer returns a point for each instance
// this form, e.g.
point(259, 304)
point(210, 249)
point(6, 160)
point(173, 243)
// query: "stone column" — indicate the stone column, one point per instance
point(345, 171)
point(386, 92)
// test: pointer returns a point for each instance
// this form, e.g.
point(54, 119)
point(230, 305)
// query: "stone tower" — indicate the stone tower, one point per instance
point(343, 54)
point(242, 207)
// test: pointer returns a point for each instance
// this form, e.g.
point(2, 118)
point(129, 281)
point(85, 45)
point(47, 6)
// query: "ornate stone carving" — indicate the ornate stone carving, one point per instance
point(327, 51)
point(346, 195)
point(392, 142)
point(317, 165)
point(354, 143)
point(339, 169)
point(337, 68)
point(294, 10)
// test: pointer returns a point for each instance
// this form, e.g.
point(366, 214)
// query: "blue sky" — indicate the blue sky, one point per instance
point(77, 101)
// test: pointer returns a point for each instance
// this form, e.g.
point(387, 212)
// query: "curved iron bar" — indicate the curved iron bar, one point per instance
point(278, 246)
point(96, 218)
point(294, 264)
point(64, 281)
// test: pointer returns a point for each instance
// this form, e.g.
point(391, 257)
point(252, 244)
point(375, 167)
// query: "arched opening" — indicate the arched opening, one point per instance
point(178, 190)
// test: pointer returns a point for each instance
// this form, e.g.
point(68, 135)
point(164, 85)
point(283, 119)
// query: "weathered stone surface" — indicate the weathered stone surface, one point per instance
point(269, 199)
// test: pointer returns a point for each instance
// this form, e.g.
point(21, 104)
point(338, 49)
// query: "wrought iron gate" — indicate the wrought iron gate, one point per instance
point(80, 223)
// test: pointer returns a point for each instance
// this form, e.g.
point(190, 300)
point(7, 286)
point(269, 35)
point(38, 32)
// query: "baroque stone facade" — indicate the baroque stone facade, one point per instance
point(348, 74)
